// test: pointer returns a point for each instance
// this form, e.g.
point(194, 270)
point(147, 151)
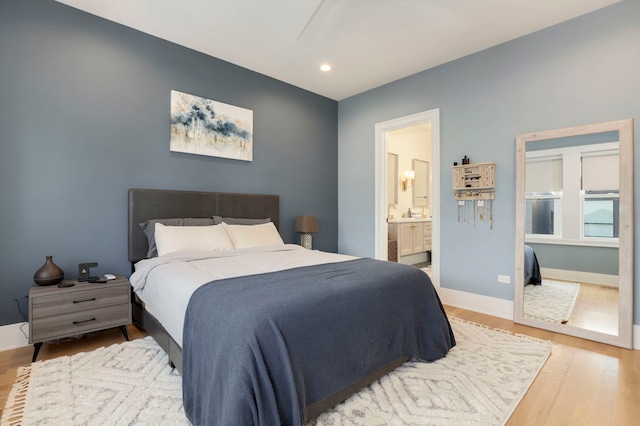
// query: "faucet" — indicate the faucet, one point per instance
point(389, 210)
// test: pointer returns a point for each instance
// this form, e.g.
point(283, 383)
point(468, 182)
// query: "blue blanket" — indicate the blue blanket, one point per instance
point(258, 349)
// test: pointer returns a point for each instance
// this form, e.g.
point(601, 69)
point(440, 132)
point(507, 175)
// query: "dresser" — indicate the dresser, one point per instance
point(56, 312)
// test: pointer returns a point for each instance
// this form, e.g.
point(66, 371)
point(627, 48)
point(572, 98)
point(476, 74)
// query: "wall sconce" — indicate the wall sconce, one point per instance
point(306, 225)
point(408, 178)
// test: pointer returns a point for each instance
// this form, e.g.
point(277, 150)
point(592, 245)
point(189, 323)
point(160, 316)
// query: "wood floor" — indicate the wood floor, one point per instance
point(582, 382)
point(596, 309)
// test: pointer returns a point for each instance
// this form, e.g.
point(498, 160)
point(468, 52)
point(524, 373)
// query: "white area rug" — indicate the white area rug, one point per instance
point(480, 382)
point(551, 301)
point(125, 384)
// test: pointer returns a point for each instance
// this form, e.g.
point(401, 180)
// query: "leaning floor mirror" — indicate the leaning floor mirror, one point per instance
point(574, 231)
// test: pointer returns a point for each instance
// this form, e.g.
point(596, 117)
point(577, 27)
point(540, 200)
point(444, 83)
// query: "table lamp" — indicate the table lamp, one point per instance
point(306, 225)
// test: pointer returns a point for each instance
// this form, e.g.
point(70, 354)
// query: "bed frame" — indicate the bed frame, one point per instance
point(145, 204)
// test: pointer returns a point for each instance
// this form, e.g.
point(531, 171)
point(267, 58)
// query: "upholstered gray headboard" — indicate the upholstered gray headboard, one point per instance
point(145, 204)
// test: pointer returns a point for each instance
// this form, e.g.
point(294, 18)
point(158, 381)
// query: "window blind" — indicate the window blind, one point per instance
point(544, 174)
point(600, 172)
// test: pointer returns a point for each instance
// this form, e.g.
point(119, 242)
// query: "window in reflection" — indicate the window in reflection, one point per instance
point(541, 214)
point(600, 218)
point(544, 194)
point(600, 196)
point(572, 193)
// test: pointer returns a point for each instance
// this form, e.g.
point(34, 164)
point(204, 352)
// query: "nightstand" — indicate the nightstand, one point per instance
point(55, 312)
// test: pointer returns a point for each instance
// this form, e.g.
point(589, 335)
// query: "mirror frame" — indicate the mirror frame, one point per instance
point(392, 178)
point(625, 253)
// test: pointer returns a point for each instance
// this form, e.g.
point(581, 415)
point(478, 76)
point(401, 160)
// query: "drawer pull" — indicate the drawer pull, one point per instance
point(88, 300)
point(80, 322)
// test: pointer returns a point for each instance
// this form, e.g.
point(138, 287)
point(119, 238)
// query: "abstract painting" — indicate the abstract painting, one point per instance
point(205, 127)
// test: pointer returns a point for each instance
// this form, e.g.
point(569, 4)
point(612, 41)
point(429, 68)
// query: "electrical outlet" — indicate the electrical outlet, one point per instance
point(506, 279)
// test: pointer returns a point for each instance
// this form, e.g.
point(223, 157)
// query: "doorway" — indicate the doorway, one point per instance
point(426, 120)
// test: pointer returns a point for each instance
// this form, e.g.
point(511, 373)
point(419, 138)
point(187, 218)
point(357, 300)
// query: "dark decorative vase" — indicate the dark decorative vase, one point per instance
point(49, 273)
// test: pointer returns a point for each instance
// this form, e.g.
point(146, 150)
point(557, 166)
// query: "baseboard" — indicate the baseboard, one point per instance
point(11, 336)
point(474, 302)
point(636, 337)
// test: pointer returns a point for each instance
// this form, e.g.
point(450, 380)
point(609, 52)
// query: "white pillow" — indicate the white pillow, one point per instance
point(245, 236)
point(171, 239)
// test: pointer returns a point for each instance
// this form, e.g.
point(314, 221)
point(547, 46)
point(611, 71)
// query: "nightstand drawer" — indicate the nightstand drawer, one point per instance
point(69, 324)
point(69, 302)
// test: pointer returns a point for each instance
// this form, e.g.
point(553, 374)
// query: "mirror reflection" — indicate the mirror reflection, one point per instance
point(574, 231)
point(571, 226)
point(421, 183)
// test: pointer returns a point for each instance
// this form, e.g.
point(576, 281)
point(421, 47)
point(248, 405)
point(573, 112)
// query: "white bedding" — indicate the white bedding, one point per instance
point(165, 283)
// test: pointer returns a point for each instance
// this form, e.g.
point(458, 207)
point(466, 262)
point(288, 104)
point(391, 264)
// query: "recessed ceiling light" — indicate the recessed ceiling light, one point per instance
point(325, 67)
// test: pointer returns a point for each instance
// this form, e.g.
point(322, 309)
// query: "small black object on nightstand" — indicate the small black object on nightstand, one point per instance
point(84, 272)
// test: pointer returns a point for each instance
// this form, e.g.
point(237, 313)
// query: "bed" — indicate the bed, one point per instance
point(531, 267)
point(281, 333)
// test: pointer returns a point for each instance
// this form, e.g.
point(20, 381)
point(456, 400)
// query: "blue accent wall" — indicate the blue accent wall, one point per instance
point(582, 71)
point(84, 116)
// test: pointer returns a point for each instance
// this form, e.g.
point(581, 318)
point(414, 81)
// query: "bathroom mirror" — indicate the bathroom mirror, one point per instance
point(421, 183)
point(392, 178)
point(574, 231)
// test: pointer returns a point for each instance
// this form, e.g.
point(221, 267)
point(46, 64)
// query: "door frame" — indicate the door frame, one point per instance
point(381, 168)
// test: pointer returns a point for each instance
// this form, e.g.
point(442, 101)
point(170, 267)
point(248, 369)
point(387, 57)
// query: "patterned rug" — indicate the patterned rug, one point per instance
point(480, 382)
point(551, 301)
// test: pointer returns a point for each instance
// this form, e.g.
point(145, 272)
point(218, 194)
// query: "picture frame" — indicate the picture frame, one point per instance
point(205, 127)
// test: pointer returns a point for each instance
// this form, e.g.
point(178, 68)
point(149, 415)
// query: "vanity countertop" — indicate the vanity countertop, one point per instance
point(409, 219)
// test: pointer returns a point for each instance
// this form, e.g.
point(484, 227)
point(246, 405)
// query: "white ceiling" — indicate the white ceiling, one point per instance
point(367, 42)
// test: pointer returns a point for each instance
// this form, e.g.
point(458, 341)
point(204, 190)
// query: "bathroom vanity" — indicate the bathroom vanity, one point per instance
point(412, 240)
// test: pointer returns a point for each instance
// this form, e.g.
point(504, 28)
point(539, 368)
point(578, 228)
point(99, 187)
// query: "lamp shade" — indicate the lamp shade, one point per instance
point(307, 224)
